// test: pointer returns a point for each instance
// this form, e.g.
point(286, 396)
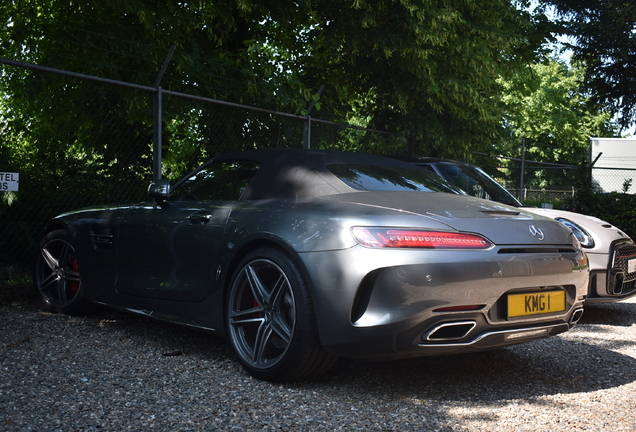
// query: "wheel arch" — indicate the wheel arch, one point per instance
point(57, 224)
point(304, 354)
point(60, 224)
point(251, 245)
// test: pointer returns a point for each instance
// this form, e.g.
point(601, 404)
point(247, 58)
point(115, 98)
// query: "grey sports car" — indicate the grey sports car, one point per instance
point(301, 256)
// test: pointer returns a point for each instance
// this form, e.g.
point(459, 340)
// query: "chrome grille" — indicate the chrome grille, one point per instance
point(622, 254)
point(620, 280)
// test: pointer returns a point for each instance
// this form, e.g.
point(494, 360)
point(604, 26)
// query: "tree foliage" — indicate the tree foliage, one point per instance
point(423, 68)
point(547, 108)
point(603, 35)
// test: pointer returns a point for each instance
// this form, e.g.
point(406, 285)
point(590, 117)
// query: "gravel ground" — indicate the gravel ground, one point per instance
point(112, 372)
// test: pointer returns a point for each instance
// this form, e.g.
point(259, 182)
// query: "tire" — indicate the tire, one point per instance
point(270, 319)
point(57, 277)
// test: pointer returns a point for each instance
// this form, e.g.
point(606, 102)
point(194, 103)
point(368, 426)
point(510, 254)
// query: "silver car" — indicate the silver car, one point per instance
point(299, 257)
point(611, 252)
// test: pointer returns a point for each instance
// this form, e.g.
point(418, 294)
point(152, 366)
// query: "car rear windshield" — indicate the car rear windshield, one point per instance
point(477, 183)
point(390, 178)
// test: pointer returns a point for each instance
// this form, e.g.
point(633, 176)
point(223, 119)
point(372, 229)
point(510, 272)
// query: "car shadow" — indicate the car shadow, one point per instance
point(584, 359)
point(525, 371)
point(569, 363)
point(622, 313)
point(153, 359)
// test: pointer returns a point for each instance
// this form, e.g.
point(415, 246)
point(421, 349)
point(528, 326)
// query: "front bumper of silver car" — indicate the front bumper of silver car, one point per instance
point(618, 281)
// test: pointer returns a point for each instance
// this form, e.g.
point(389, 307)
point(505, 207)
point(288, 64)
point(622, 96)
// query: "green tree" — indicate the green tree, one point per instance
point(547, 107)
point(423, 68)
point(603, 38)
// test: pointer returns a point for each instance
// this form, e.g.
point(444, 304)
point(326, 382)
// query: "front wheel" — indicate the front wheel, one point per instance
point(57, 277)
point(270, 319)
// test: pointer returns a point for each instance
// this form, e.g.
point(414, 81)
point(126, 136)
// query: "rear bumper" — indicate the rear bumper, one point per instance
point(390, 304)
point(403, 346)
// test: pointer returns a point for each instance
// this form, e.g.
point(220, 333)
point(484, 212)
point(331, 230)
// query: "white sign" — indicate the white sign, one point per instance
point(9, 181)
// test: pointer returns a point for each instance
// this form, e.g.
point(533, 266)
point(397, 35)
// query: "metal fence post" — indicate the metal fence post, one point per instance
point(156, 135)
point(523, 157)
point(157, 119)
point(307, 124)
point(307, 133)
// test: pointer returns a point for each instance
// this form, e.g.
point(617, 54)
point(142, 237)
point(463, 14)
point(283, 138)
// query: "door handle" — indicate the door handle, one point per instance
point(199, 218)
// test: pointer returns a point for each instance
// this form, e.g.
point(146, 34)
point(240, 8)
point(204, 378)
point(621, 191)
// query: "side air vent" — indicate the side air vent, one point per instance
point(102, 238)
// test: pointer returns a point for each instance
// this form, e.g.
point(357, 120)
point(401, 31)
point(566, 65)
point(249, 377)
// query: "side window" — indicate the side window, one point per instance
point(224, 181)
point(457, 177)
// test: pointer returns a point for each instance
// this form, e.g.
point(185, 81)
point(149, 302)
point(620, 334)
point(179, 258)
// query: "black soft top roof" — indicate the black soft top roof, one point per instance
point(298, 173)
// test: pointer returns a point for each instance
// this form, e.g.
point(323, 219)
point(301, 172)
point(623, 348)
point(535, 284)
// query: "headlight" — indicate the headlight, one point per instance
point(581, 235)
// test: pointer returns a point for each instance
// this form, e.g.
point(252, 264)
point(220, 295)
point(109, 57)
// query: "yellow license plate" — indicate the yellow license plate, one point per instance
point(535, 303)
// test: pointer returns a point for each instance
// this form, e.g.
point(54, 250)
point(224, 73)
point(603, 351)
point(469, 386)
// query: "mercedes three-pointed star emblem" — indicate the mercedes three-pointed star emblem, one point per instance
point(536, 232)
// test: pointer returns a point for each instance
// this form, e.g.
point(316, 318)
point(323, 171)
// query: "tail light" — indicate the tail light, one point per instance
point(418, 239)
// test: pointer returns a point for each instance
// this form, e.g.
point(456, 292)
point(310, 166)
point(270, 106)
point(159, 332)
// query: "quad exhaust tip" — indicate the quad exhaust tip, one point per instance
point(449, 331)
point(453, 331)
point(576, 316)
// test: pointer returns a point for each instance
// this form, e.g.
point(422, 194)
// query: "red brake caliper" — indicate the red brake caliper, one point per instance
point(75, 284)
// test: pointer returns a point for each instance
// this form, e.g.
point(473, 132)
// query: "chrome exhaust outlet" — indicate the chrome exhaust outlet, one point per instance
point(615, 281)
point(449, 331)
point(576, 316)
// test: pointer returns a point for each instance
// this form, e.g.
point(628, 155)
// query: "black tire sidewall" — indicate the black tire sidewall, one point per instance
point(291, 365)
point(79, 303)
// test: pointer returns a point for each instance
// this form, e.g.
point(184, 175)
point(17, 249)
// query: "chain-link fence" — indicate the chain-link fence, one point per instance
point(602, 180)
point(614, 179)
point(559, 177)
point(97, 154)
point(545, 195)
point(93, 141)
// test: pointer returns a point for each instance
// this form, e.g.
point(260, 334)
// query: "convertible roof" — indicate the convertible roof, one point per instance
point(296, 173)
point(427, 160)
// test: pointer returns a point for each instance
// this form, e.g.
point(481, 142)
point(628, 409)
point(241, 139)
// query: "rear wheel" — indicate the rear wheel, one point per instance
point(57, 276)
point(271, 321)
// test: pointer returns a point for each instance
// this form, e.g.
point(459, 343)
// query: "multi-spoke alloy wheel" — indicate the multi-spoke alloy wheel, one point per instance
point(270, 319)
point(57, 277)
point(262, 314)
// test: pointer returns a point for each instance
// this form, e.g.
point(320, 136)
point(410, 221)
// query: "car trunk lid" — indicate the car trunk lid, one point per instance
point(500, 223)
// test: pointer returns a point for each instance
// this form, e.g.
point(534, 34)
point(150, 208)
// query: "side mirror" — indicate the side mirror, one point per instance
point(159, 190)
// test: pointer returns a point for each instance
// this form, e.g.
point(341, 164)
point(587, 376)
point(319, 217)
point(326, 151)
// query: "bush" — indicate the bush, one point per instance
point(617, 208)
